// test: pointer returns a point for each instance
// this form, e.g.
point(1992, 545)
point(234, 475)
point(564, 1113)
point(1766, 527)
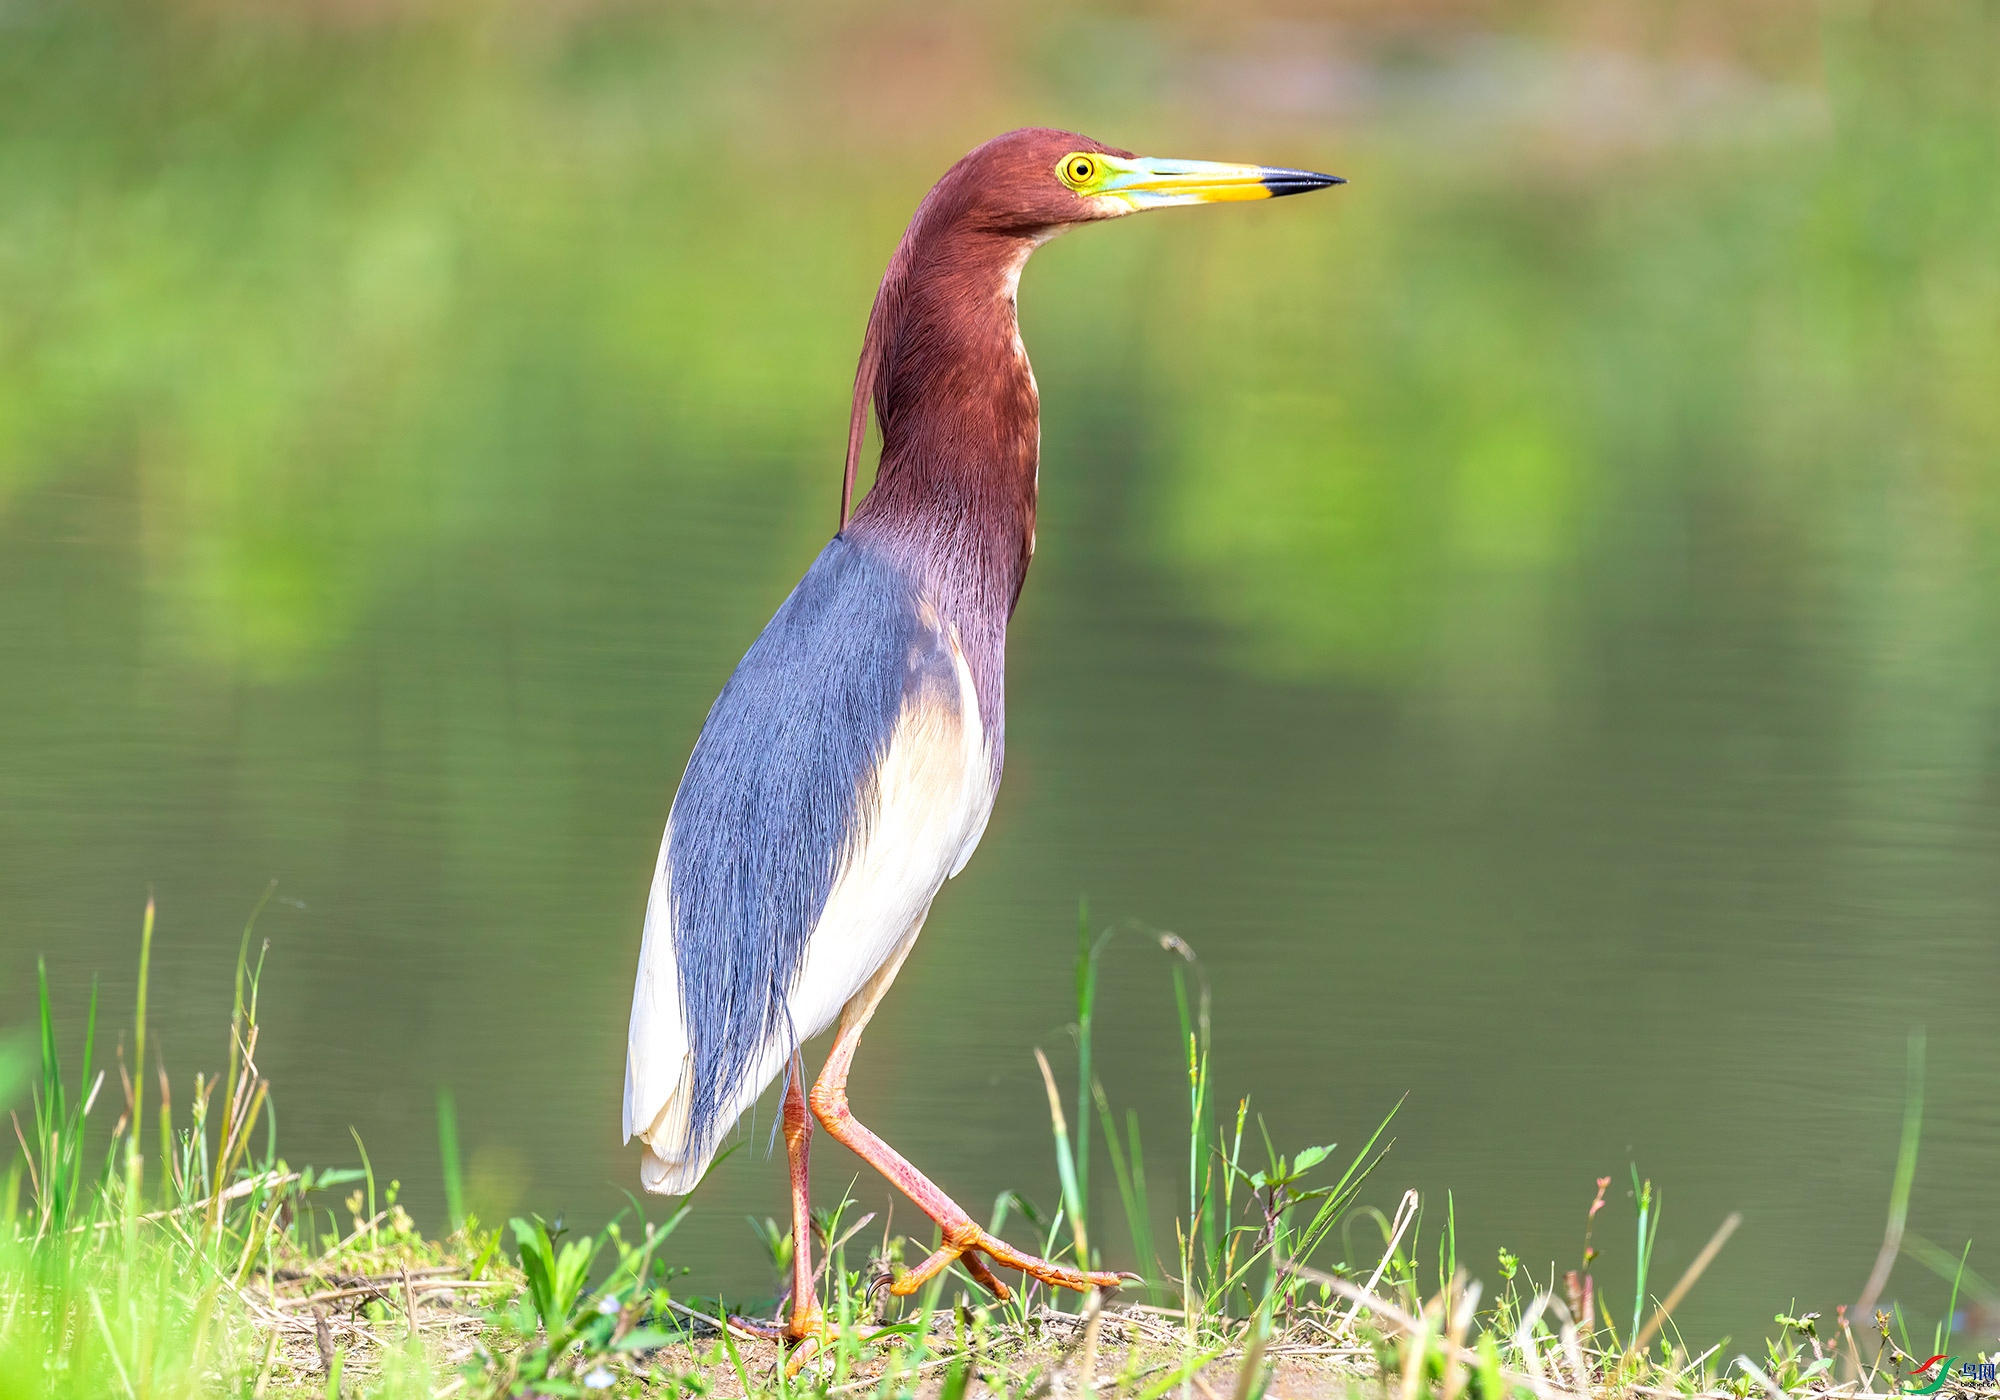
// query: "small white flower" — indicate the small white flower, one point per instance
point(608, 1305)
point(599, 1379)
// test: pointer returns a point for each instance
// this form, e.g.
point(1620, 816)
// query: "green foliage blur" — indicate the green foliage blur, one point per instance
point(333, 286)
point(1467, 398)
point(333, 294)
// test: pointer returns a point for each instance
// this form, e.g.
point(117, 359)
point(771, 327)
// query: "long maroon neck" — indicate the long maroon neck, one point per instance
point(954, 495)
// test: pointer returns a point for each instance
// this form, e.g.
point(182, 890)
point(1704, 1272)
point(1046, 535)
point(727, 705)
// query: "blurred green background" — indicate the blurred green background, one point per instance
point(1529, 618)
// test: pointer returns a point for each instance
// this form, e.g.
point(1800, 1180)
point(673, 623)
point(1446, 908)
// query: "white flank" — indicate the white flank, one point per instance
point(933, 793)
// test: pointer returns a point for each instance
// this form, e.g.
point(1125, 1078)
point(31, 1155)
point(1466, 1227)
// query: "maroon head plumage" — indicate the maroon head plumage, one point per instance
point(849, 766)
point(942, 360)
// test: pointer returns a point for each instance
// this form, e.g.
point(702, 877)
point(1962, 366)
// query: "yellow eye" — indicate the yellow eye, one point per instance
point(1078, 171)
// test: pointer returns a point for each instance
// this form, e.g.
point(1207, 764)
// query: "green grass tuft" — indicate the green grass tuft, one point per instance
point(211, 1267)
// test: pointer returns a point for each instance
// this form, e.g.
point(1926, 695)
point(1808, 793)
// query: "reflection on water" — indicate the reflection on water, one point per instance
point(1526, 619)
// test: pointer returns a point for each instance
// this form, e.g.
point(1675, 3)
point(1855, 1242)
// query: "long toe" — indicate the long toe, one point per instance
point(909, 1281)
point(1056, 1275)
point(985, 1278)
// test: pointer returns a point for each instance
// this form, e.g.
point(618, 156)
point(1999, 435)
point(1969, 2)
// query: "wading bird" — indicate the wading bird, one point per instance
point(849, 765)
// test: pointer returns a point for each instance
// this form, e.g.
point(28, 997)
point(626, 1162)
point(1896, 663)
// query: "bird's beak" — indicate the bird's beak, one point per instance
point(1152, 183)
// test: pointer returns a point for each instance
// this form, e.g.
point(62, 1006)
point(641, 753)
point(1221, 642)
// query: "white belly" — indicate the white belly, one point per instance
point(934, 792)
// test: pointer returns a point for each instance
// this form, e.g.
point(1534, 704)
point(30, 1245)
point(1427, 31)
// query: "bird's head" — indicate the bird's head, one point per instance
point(961, 259)
point(1037, 181)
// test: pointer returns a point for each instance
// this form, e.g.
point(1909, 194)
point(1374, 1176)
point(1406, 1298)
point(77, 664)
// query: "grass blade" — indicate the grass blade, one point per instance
point(1906, 1171)
point(454, 1177)
point(1065, 1163)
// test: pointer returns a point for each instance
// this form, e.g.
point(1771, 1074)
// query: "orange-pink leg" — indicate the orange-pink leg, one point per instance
point(963, 1239)
point(806, 1315)
point(807, 1325)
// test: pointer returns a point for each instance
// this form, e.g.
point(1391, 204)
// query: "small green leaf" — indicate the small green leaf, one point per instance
point(1312, 1157)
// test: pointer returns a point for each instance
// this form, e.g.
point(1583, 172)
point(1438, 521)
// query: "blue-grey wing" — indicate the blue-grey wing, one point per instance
point(841, 776)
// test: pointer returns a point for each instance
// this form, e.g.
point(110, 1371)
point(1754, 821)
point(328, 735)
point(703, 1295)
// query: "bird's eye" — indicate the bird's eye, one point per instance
point(1078, 171)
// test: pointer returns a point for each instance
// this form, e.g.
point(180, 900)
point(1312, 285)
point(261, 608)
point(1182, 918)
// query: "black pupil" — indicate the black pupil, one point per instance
point(1081, 170)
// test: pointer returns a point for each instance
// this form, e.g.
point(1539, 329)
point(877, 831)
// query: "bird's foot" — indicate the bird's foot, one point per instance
point(813, 1338)
point(968, 1242)
point(808, 1333)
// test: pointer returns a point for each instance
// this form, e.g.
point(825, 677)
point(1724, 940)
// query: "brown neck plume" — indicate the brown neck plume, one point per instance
point(956, 401)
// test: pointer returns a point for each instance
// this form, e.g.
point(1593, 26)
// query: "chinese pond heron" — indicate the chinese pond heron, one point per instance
point(848, 767)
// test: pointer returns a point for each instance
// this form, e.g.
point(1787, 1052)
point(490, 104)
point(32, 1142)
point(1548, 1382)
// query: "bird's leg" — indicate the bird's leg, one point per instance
point(807, 1326)
point(806, 1313)
point(963, 1239)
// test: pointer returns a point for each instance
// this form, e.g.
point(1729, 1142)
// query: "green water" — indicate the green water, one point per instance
point(1528, 619)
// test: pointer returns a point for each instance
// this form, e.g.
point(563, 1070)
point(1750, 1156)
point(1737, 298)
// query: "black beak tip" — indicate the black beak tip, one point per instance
point(1284, 182)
